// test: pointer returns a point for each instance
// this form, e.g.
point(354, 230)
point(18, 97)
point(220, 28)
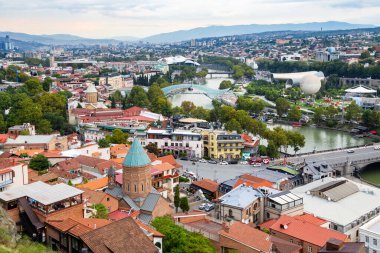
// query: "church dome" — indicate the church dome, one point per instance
point(136, 156)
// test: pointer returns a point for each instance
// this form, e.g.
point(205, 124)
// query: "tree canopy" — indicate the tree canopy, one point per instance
point(178, 239)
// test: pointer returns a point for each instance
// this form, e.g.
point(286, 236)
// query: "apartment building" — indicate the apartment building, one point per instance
point(222, 145)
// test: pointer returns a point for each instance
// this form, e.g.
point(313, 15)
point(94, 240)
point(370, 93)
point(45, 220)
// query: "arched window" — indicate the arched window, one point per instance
point(158, 245)
point(142, 187)
point(135, 188)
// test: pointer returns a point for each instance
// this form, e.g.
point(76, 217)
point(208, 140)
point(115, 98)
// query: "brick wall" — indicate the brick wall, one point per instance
point(225, 242)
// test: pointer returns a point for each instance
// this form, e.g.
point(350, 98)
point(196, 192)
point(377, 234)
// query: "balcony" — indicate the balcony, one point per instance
point(6, 182)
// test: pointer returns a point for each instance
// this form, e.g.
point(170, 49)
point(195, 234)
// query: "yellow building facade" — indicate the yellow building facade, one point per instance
point(222, 145)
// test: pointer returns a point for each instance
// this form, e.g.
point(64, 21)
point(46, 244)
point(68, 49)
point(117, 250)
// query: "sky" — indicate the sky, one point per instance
point(141, 18)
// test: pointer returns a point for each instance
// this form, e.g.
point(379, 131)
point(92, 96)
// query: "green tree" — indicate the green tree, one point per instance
point(294, 114)
point(353, 111)
point(318, 115)
point(5, 101)
point(184, 204)
point(3, 124)
point(272, 150)
point(117, 96)
point(365, 54)
point(39, 162)
point(178, 239)
point(176, 197)
point(33, 87)
point(225, 84)
point(152, 148)
point(46, 84)
point(24, 110)
point(103, 143)
point(262, 150)
point(117, 137)
point(296, 140)
point(138, 97)
point(282, 106)
point(43, 127)
point(233, 125)
point(101, 211)
point(188, 107)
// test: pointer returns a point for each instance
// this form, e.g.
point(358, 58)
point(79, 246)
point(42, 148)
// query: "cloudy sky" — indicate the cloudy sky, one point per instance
point(140, 18)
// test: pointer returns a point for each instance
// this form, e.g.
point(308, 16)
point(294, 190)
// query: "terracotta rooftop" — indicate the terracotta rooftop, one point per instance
point(123, 236)
point(170, 159)
point(248, 235)
point(312, 219)
point(207, 184)
point(95, 197)
point(95, 185)
point(8, 162)
point(305, 231)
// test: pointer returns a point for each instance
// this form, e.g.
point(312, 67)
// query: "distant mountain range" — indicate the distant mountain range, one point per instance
point(57, 39)
point(30, 41)
point(218, 31)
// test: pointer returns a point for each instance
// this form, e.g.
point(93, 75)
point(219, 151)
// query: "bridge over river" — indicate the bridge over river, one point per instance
point(196, 89)
point(342, 160)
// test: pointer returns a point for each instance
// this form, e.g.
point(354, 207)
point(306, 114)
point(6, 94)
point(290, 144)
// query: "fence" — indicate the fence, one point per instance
point(211, 236)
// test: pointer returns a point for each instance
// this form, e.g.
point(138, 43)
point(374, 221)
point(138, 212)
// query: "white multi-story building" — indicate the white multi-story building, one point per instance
point(177, 141)
point(369, 233)
point(12, 174)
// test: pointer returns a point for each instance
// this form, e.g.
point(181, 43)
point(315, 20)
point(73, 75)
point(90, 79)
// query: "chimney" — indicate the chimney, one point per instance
point(226, 227)
point(334, 244)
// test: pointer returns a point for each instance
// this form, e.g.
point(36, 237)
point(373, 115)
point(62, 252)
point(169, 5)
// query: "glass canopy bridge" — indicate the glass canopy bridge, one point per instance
point(193, 89)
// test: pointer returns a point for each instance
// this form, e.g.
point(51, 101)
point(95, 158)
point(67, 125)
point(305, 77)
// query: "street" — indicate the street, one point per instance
point(217, 172)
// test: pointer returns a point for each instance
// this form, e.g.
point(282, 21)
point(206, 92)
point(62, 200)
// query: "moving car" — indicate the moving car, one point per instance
point(223, 163)
point(350, 151)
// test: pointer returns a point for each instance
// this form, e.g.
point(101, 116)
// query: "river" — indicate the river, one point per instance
point(322, 139)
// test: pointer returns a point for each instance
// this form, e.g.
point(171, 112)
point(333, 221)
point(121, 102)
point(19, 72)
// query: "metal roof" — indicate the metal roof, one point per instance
point(344, 211)
point(136, 156)
point(41, 192)
point(116, 192)
point(284, 197)
point(131, 203)
point(241, 196)
point(146, 218)
point(21, 139)
point(337, 190)
point(150, 202)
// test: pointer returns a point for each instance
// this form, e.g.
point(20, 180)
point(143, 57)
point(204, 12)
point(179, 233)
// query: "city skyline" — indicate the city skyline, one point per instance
point(97, 19)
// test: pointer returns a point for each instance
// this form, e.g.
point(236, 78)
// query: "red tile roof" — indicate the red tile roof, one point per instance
point(207, 184)
point(312, 219)
point(305, 231)
point(249, 236)
point(170, 159)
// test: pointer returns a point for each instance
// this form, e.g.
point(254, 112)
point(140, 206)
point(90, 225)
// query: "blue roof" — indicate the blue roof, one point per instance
point(136, 156)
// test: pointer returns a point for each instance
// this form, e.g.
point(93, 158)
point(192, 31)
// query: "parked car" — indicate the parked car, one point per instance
point(376, 147)
point(202, 161)
point(184, 158)
point(233, 162)
point(223, 163)
point(350, 151)
point(194, 159)
point(209, 207)
point(244, 162)
point(257, 164)
point(202, 206)
point(212, 162)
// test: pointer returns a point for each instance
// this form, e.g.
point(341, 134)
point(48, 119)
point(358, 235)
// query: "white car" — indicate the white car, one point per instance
point(202, 161)
point(202, 206)
point(244, 162)
point(223, 163)
point(350, 151)
point(376, 147)
point(257, 164)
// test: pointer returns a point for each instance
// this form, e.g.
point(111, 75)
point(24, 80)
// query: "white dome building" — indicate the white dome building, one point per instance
point(310, 84)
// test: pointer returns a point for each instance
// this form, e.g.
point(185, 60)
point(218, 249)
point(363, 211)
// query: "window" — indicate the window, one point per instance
point(291, 240)
point(374, 242)
point(108, 199)
point(230, 212)
point(135, 188)
point(128, 187)
point(366, 239)
point(142, 187)
point(309, 249)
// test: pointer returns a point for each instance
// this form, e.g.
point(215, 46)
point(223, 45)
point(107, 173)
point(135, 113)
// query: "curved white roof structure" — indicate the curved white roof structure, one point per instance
point(177, 60)
point(310, 84)
point(309, 81)
point(360, 90)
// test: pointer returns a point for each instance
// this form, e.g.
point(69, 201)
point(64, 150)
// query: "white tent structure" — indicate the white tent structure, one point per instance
point(360, 90)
